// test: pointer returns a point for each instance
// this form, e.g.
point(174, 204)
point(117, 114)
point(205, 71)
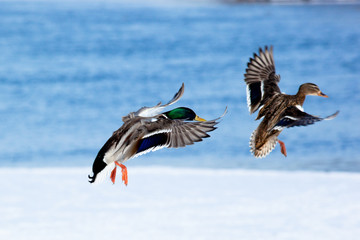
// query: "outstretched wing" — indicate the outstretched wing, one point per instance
point(153, 111)
point(174, 133)
point(294, 117)
point(186, 133)
point(261, 80)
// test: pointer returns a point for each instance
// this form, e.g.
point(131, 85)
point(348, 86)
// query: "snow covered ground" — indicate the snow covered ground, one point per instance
point(178, 203)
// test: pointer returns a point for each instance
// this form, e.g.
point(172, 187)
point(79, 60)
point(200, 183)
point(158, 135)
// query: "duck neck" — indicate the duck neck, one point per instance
point(300, 98)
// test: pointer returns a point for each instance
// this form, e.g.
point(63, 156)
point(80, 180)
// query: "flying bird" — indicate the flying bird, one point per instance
point(149, 129)
point(278, 110)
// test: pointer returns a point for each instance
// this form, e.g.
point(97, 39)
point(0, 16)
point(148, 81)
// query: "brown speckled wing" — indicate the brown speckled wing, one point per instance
point(261, 79)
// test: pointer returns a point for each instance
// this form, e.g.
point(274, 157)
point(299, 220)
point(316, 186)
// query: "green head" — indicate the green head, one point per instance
point(183, 113)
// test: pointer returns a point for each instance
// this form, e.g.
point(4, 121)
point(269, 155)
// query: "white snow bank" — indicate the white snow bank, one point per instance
point(173, 203)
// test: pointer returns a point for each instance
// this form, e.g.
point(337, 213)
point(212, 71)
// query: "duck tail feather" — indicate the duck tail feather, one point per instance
point(265, 149)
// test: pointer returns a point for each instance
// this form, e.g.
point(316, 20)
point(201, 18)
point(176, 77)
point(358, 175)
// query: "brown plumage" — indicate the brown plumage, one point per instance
point(277, 109)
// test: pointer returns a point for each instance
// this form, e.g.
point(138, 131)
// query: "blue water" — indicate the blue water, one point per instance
point(69, 72)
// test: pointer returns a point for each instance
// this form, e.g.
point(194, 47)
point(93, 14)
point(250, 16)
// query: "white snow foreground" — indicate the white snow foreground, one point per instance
point(177, 203)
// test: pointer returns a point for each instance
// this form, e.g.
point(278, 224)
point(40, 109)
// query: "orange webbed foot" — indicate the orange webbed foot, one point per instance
point(283, 148)
point(124, 173)
point(113, 175)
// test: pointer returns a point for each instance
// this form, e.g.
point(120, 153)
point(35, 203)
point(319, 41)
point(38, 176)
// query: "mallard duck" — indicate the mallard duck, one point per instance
point(278, 110)
point(149, 130)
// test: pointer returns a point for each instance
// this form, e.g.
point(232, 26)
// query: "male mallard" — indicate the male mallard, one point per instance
point(278, 109)
point(149, 130)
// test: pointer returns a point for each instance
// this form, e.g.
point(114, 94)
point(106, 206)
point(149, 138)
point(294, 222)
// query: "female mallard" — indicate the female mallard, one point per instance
point(278, 109)
point(149, 130)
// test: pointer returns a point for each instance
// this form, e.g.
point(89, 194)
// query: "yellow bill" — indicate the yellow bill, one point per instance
point(197, 118)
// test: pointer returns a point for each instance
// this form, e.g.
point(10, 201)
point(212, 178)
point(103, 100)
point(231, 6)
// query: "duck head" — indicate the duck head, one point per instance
point(310, 89)
point(183, 113)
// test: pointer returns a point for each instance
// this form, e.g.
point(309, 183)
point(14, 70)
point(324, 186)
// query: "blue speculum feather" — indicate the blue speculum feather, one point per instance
point(285, 122)
point(255, 92)
point(152, 141)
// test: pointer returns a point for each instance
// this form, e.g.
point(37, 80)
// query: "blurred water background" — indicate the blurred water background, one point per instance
point(70, 71)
